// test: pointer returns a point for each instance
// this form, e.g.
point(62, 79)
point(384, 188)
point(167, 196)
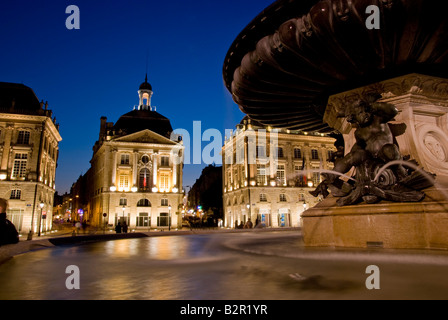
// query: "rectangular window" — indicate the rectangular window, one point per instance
point(316, 178)
point(261, 175)
point(20, 162)
point(165, 161)
point(123, 183)
point(280, 153)
point(125, 159)
point(163, 220)
point(314, 154)
point(164, 182)
point(297, 153)
point(16, 194)
point(282, 197)
point(24, 137)
point(261, 152)
point(123, 202)
point(263, 197)
point(281, 178)
point(299, 178)
point(143, 220)
point(164, 203)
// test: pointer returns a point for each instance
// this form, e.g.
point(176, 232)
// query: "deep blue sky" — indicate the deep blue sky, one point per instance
point(96, 71)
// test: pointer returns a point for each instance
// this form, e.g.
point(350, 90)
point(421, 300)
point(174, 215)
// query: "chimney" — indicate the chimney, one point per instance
point(103, 127)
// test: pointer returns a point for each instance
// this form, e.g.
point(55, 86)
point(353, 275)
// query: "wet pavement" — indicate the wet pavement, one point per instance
point(222, 266)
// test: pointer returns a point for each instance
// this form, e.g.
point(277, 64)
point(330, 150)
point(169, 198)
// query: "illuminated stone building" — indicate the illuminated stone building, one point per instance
point(267, 173)
point(29, 149)
point(136, 171)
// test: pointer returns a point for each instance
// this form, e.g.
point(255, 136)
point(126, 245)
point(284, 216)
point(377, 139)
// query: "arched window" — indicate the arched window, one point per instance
point(144, 203)
point(144, 181)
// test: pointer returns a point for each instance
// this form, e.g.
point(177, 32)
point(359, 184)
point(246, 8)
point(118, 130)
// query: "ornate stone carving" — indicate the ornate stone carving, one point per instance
point(380, 170)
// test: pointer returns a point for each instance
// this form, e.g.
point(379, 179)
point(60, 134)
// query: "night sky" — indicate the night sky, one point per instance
point(96, 71)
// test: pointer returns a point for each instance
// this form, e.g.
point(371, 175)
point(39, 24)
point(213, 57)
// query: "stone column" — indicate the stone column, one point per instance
point(134, 169)
point(6, 148)
point(154, 164)
point(114, 167)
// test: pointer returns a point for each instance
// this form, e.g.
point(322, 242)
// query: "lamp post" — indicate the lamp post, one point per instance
point(41, 205)
point(250, 213)
point(169, 218)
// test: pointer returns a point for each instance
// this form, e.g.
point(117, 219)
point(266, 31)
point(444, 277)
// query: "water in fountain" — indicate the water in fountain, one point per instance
point(413, 166)
point(303, 172)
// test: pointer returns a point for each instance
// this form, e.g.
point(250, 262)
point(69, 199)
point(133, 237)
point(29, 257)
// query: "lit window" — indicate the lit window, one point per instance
point(281, 179)
point(19, 169)
point(164, 182)
point(261, 175)
point(316, 177)
point(123, 183)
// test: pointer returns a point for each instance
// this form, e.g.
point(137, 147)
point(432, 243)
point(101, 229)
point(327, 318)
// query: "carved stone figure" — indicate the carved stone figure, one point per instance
point(381, 172)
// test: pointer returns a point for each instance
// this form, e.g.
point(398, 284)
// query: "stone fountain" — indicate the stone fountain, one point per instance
point(317, 66)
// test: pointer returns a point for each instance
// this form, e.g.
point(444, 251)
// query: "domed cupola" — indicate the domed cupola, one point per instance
point(145, 94)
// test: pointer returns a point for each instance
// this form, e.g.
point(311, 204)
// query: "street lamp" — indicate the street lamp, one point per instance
point(169, 221)
point(41, 205)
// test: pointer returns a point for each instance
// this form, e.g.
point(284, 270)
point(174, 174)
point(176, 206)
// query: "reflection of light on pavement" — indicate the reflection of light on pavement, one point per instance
point(121, 249)
point(167, 248)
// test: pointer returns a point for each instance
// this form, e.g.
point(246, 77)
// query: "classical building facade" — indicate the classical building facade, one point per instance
point(136, 172)
point(268, 174)
point(29, 149)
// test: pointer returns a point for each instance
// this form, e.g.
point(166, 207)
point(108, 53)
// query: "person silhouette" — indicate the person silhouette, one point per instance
point(8, 232)
point(118, 228)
